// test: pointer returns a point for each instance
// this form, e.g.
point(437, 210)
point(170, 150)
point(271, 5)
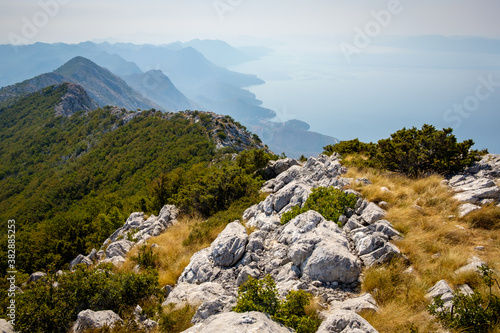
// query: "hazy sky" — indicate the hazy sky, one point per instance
point(161, 21)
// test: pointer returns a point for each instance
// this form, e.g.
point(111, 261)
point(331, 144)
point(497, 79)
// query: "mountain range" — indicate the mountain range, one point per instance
point(169, 77)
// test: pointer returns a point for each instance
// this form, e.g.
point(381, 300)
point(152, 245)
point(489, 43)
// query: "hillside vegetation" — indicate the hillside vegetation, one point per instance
point(71, 181)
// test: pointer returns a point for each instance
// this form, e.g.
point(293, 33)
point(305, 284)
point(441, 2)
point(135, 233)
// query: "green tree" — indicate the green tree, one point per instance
point(415, 152)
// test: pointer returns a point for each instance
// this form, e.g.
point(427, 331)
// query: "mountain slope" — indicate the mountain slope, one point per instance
point(102, 85)
point(157, 87)
point(217, 51)
point(69, 180)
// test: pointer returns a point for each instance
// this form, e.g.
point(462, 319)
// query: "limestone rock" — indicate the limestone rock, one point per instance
point(149, 324)
point(320, 249)
point(472, 265)
point(365, 302)
point(80, 259)
point(442, 289)
point(345, 321)
point(467, 208)
point(381, 255)
point(229, 247)
point(195, 295)
point(119, 248)
point(232, 322)
point(372, 213)
point(89, 319)
point(476, 195)
point(36, 276)
point(6, 327)
point(210, 308)
point(275, 168)
point(199, 269)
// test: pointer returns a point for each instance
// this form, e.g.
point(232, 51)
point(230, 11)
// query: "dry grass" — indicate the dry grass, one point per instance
point(435, 241)
point(172, 254)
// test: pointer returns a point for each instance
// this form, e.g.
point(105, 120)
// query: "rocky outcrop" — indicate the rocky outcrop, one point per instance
point(75, 99)
point(319, 250)
point(345, 321)
point(197, 294)
point(308, 253)
point(275, 168)
point(136, 231)
point(477, 185)
point(372, 245)
point(89, 319)
point(232, 322)
point(365, 302)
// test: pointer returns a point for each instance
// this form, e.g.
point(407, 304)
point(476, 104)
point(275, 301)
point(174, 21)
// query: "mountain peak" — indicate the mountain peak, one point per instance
point(103, 86)
point(75, 64)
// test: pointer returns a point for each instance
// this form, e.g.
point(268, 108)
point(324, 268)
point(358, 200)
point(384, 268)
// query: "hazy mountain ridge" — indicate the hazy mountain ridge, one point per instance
point(102, 85)
point(201, 84)
point(157, 87)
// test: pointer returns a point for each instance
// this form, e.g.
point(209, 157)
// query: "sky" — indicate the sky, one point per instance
point(158, 21)
point(362, 68)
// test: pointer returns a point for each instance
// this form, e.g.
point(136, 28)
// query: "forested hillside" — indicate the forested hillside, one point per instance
point(70, 181)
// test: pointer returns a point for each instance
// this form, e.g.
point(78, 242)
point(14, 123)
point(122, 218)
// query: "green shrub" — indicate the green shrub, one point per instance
point(222, 135)
point(413, 152)
point(51, 304)
point(472, 313)
point(262, 296)
point(416, 152)
point(146, 258)
point(329, 202)
point(349, 147)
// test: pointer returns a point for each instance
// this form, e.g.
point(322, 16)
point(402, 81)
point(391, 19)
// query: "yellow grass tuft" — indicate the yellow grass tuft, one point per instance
point(436, 243)
point(173, 256)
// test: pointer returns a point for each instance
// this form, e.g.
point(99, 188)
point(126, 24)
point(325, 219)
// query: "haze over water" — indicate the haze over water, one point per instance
point(382, 90)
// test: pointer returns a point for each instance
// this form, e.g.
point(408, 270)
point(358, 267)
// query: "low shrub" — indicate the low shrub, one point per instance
point(412, 152)
point(262, 296)
point(472, 313)
point(146, 257)
point(52, 303)
point(329, 202)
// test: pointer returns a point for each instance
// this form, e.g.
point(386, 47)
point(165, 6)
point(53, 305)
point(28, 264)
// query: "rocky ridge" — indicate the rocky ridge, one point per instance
point(135, 232)
point(308, 253)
